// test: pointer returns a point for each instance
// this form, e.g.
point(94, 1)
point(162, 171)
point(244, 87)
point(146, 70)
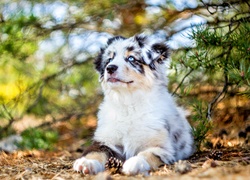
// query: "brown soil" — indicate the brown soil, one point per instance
point(226, 163)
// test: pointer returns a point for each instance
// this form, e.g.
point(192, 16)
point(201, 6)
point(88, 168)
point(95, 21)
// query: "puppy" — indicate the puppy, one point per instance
point(138, 121)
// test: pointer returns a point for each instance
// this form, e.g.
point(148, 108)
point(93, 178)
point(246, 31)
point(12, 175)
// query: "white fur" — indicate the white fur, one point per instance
point(87, 166)
point(133, 119)
point(135, 165)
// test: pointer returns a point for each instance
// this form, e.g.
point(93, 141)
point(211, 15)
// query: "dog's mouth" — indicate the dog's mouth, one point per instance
point(115, 80)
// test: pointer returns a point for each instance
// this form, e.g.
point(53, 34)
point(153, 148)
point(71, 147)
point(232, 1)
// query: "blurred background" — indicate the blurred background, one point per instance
point(49, 90)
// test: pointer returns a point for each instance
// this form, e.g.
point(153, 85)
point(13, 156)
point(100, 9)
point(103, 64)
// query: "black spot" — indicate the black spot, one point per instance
point(182, 146)
point(152, 66)
point(176, 136)
point(111, 57)
point(137, 66)
point(140, 39)
point(149, 55)
point(167, 127)
point(111, 40)
point(130, 48)
point(142, 61)
point(141, 69)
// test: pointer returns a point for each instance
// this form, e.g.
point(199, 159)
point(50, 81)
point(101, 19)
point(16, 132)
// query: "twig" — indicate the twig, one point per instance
point(224, 90)
point(215, 100)
point(65, 118)
point(55, 177)
point(36, 99)
point(10, 118)
point(183, 79)
point(52, 76)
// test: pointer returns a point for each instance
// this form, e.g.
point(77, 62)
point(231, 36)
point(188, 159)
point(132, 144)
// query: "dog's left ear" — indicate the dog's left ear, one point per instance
point(140, 39)
point(162, 50)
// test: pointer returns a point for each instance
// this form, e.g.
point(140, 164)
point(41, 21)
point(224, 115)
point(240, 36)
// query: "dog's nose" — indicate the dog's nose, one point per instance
point(111, 68)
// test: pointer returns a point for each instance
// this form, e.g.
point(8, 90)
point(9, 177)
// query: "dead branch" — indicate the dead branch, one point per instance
point(9, 117)
point(183, 79)
point(216, 99)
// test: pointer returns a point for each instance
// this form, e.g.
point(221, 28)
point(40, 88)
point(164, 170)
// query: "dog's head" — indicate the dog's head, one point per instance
point(131, 63)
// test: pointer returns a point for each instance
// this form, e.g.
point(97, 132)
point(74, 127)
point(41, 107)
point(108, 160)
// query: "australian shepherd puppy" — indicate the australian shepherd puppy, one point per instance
point(138, 121)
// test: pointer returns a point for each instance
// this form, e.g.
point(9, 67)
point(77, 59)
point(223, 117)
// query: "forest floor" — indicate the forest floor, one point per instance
point(226, 163)
point(227, 156)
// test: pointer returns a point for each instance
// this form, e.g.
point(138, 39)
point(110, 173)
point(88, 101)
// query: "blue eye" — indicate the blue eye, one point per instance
point(110, 59)
point(130, 58)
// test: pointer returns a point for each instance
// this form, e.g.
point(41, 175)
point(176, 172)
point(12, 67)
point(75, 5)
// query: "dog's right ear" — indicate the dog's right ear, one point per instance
point(98, 63)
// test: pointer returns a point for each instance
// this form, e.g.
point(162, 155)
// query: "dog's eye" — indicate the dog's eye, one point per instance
point(110, 59)
point(131, 58)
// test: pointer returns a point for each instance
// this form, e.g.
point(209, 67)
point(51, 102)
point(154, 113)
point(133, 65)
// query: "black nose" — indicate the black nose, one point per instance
point(111, 68)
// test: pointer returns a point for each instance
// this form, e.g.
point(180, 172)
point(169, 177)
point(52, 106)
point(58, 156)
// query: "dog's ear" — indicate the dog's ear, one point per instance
point(140, 39)
point(162, 50)
point(98, 63)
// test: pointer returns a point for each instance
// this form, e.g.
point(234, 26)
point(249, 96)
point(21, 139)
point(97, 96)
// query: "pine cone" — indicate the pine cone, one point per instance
point(114, 165)
point(215, 155)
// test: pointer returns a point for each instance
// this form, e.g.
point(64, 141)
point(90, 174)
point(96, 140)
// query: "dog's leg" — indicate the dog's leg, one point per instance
point(144, 162)
point(94, 159)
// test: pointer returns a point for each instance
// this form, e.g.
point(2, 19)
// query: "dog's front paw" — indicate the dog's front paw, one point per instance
point(136, 165)
point(88, 166)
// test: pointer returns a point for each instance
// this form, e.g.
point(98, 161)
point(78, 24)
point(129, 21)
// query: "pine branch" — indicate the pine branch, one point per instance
point(182, 81)
point(216, 6)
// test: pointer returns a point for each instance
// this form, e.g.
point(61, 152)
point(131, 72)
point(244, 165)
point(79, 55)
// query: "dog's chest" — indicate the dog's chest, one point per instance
point(132, 128)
